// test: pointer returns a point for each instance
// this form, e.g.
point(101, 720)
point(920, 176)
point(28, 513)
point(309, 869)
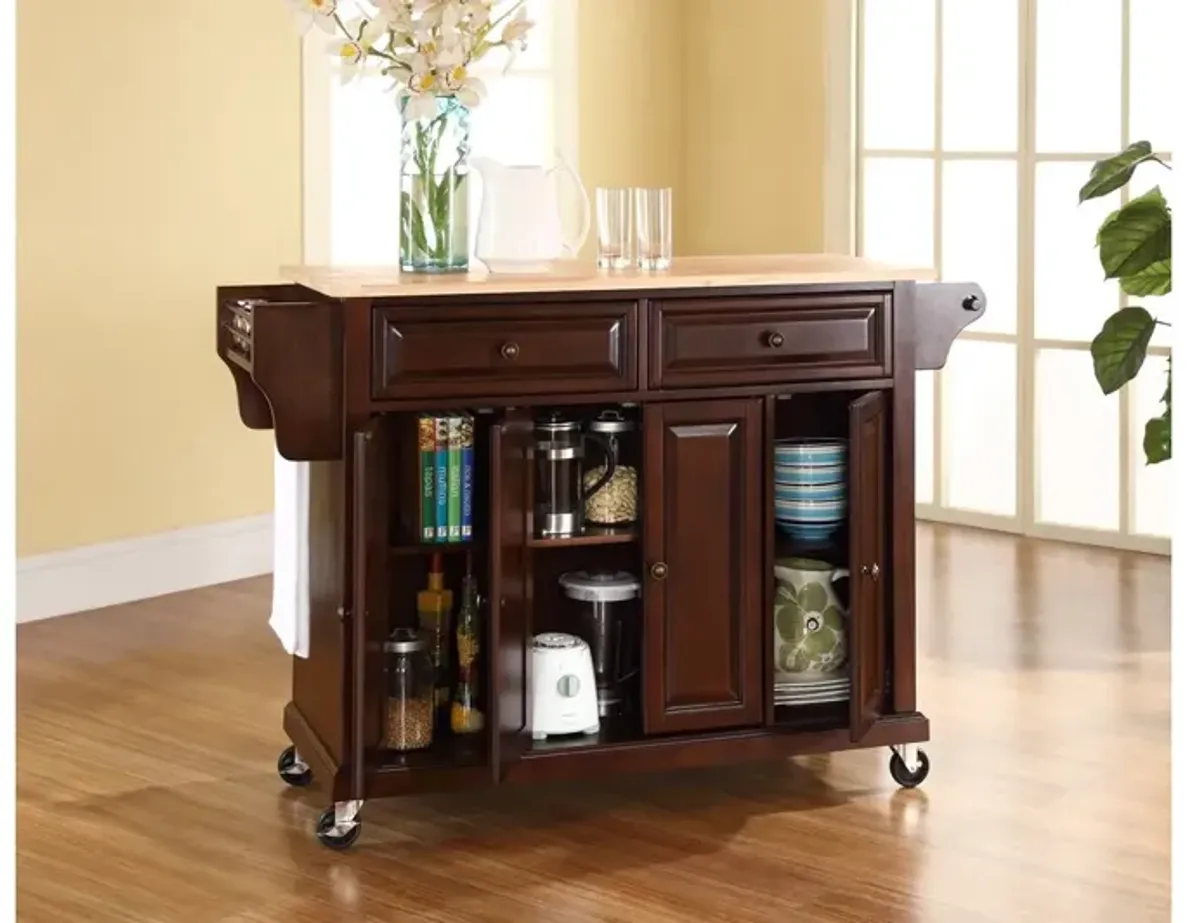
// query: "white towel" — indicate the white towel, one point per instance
point(290, 601)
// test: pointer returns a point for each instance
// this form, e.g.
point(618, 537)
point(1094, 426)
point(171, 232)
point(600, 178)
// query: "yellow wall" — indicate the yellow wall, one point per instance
point(723, 101)
point(158, 153)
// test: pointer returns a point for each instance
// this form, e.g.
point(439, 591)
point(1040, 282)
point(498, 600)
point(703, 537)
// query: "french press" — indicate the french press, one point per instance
point(559, 495)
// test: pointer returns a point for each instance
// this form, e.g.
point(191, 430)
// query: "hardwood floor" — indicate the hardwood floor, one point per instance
point(147, 738)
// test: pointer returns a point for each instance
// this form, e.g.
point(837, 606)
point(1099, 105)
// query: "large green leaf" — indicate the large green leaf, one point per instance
point(1114, 172)
point(1119, 349)
point(1135, 236)
point(1155, 279)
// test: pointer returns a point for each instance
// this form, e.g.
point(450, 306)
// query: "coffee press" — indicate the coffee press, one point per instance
point(559, 460)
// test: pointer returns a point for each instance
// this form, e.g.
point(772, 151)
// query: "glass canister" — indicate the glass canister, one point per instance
point(615, 501)
point(410, 688)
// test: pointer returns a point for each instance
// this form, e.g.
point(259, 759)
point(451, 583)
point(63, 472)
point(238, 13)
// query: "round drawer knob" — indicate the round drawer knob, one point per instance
point(775, 339)
point(510, 351)
point(658, 571)
point(568, 686)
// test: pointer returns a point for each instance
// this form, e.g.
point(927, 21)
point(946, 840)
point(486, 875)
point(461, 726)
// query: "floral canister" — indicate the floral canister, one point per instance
point(810, 621)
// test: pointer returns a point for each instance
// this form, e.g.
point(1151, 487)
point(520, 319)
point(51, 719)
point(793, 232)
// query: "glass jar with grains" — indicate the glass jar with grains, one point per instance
point(410, 686)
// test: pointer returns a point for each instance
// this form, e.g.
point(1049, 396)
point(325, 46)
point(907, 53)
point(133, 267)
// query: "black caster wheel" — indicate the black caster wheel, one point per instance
point(901, 774)
point(328, 835)
point(290, 772)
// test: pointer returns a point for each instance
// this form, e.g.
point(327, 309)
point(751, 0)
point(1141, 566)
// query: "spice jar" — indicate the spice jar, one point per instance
point(616, 502)
point(410, 685)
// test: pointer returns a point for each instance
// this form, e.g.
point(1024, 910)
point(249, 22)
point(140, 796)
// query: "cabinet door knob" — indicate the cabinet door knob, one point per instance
point(658, 571)
point(510, 351)
point(872, 571)
point(775, 339)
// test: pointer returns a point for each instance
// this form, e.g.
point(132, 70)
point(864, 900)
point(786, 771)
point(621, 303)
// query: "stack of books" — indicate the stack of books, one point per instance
point(446, 443)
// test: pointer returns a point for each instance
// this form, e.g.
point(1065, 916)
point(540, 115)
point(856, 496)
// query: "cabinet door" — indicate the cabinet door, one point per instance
point(368, 609)
point(509, 615)
point(702, 662)
point(868, 535)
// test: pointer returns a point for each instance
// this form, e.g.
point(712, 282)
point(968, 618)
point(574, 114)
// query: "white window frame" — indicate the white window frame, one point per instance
point(316, 68)
point(845, 157)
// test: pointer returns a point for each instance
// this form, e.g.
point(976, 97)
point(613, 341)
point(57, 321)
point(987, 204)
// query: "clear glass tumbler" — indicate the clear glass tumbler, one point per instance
point(653, 228)
point(614, 228)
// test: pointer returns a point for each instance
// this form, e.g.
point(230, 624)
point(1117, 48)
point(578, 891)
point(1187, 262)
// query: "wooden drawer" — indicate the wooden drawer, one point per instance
point(765, 340)
point(504, 349)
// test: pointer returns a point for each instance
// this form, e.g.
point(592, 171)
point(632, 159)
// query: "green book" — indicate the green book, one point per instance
point(441, 479)
point(454, 478)
point(426, 446)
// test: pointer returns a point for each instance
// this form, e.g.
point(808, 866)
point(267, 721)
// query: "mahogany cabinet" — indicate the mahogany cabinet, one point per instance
point(716, 360)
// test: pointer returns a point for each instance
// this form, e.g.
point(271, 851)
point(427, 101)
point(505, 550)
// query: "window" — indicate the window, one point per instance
point(352, 137)
point(978, 121)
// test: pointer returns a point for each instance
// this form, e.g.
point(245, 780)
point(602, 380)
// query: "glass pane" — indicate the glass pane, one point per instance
point(1153, 105)
point(979, 75)
point(365, 131)
point(1071, 298)
point(1147, 176)
point(924, 448)
point(979, 235)
point(1079, 76)
point(1151, 483)
point(979, 427)
point(898, 62)
point(1076, 448)
point(898, 211)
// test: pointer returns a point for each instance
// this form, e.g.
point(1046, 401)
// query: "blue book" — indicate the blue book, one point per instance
point(441, 467)
point(468, 473)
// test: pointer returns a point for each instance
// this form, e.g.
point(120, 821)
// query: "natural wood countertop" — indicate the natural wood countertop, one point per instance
point(686, 272)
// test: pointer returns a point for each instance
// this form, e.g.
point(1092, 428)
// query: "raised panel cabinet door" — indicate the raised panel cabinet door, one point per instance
point(509, 615)
point(868, 542)
point(702, 663)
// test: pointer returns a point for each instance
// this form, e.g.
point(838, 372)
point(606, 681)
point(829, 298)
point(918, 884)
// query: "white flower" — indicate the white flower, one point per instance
point(398, 14)
point(318, 12)
point(517, 28)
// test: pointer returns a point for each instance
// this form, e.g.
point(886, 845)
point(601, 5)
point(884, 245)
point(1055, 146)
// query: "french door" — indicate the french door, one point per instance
point(977, 122)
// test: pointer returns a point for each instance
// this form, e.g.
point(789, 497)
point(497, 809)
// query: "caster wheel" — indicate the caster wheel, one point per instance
point(291, 770)
point(329, 836)
point(901, 774)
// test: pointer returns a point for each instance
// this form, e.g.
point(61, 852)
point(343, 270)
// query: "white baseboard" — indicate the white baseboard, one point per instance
point(110, 573)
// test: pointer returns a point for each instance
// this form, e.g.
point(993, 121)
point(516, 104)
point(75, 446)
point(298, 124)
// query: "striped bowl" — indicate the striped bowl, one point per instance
point(794, 452)
point(810, 474)
point(819, 492)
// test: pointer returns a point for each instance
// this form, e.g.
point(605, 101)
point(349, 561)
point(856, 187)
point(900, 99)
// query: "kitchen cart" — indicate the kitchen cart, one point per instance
point(717, 358)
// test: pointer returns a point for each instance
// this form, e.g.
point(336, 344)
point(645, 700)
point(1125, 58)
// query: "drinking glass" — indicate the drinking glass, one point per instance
point(614, 228)
point(653, 228)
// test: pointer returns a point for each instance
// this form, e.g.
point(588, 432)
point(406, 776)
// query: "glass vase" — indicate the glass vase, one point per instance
point(434, 188)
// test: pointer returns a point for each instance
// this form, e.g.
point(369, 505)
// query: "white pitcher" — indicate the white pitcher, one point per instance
point(520, 223)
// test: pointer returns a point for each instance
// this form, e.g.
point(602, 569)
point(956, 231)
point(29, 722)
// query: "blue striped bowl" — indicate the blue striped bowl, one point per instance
point(793, 452)
point(810, 511)
point(821, 532)
point(810, 474)
point(835, 491)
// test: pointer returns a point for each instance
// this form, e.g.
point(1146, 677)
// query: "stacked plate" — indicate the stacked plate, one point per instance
point(792, 691)
point(810, 487)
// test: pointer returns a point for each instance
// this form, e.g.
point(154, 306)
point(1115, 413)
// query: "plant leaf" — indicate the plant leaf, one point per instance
point(1135, 235)
point(1155, 279)
point(1157, 441)
point(1119, 349)
point(1114, 172)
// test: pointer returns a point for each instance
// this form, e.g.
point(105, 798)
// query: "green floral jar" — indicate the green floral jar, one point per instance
point(810, 621)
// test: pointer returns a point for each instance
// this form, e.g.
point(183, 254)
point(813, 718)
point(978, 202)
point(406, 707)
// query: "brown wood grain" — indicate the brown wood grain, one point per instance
point(703, 524)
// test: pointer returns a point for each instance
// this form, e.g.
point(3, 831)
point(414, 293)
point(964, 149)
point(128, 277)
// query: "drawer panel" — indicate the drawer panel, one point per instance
point(504, 349)
point(728, 341)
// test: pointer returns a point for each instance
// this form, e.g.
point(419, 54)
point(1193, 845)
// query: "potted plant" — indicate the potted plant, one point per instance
point(429, 49)
point(1134, 244)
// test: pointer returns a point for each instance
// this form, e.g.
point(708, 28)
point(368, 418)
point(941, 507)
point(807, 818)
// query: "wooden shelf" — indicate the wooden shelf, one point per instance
point(592, 536)
point(614, 731)
point(425, 548)
point(447, 752)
